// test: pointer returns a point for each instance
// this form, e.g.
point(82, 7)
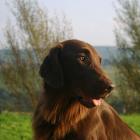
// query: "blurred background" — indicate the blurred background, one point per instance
point(29, 28)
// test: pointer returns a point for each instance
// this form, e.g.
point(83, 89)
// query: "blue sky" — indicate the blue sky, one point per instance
point(92, 20)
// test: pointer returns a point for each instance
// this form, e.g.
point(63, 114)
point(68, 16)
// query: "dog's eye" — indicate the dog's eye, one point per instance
point(84, 59)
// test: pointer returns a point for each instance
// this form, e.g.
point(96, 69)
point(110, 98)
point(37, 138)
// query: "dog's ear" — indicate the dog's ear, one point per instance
point(51, 70)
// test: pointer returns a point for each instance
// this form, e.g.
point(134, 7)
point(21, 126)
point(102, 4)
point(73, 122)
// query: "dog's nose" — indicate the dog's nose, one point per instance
point(110, 88)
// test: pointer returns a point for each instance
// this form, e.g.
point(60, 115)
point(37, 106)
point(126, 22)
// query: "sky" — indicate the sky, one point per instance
point(92, 20)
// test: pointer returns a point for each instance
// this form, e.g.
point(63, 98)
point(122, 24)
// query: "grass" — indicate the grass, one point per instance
point(133, 121)
point(17, 126)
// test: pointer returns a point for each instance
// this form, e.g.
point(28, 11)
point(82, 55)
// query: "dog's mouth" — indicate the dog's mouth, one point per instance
point(92, 102)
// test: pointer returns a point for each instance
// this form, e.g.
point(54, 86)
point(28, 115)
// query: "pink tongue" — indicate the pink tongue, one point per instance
point(97, 102)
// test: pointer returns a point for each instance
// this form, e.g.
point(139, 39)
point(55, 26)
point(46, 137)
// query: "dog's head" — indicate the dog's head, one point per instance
point(76, 66)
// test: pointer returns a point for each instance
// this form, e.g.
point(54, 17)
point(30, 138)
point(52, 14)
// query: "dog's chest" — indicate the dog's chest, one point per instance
point(87, 129)
point(91, 135)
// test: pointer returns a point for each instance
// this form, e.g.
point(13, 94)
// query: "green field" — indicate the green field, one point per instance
point(17, 126)
point(133, 121)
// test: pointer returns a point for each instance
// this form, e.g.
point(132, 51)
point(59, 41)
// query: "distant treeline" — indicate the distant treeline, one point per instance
point(106, 53)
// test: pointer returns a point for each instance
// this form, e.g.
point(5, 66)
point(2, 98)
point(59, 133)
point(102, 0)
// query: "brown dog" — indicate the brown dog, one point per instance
point(71, 107)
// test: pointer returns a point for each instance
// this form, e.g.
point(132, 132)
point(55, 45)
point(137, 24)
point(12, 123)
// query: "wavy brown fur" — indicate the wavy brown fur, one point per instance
point(60, 113)
point(64, 119)
point(72, 69)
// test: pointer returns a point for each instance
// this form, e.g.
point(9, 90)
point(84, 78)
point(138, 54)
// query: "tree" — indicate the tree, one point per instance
point(128, 61)
point(29, 40)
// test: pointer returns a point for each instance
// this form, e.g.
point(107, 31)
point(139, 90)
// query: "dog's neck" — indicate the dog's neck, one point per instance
point(63, 116)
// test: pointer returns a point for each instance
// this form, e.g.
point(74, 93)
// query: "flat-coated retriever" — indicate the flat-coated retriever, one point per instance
point(72, 106)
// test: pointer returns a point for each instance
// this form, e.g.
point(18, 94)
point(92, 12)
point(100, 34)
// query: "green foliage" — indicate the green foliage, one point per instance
point(17, 126)
point(127, 63)
point(29, 38)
